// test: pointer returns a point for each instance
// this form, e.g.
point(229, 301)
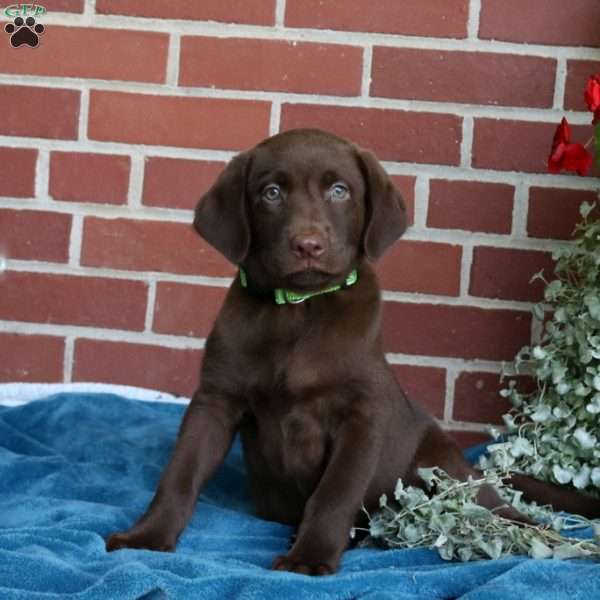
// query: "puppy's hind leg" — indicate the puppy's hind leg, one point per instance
point(559, 497)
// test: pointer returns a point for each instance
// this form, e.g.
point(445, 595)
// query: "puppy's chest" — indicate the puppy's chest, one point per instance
point(285, 379)
point(289, 417)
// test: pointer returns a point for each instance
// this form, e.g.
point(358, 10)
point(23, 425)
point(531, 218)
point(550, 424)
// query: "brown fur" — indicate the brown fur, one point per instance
point(325, 426)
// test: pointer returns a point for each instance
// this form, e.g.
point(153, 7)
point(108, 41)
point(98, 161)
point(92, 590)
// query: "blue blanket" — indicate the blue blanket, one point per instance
point(76, 467)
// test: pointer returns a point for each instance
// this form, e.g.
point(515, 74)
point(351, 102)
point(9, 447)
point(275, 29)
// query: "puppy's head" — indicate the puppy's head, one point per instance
point(301, 209)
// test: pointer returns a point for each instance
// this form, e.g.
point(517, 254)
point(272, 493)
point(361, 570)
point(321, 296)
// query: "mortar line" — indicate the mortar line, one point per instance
point(275, 118)
point(280, 13)
point(68, 358)
point(136, 180)
point(473, 21)
point(150, 306)
point(367, 69)
point(42, 177)
point(469, 426)
point(84, 111)
point(89, 10)
point(560, 84)
point(75, 241)
point(520, 210)
point(466, 265)
point(421, 203)
point(466, 144)
point(451, 375)
point(173, 59)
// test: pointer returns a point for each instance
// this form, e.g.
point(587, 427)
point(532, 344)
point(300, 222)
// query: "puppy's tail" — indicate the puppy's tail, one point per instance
point(559, 497)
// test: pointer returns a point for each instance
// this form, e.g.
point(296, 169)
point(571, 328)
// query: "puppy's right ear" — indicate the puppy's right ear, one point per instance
point(221, 216)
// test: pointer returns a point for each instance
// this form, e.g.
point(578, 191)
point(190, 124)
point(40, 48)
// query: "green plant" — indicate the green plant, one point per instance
point(554, 432)
point(448, 519)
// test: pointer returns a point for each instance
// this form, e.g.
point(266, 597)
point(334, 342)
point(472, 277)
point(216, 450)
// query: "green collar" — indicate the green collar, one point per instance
point(283, 296)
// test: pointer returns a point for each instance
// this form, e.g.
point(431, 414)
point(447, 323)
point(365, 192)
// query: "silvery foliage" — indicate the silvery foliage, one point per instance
point(448, 519)
point(554, 432)
point(553, 435)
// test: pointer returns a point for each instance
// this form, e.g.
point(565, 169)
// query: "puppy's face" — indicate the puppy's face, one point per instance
point(306, 203)
point(301, 209)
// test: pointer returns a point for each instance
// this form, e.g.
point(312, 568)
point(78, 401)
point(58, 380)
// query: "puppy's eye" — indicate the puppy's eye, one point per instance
point(272, 193)
point(338, 192)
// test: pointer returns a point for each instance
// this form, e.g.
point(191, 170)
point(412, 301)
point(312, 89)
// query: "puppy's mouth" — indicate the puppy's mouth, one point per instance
point(311, 276)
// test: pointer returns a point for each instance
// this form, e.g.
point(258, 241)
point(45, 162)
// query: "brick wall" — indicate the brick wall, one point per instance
point(113, 127)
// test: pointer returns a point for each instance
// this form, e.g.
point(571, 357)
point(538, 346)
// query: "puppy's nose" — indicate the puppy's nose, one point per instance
point(308, 246)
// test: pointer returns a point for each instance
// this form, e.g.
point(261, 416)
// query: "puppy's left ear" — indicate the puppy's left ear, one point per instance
point(221, 216)
point(386, 212)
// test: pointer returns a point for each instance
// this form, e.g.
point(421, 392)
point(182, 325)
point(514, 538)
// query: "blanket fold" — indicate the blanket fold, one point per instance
point(75, 467)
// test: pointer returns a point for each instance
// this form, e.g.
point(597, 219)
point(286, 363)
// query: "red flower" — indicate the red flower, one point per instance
point(568, 156)
point(592, 96)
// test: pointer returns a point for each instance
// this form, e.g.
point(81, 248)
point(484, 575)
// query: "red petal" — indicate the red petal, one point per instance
point(577, 158)
point(562, 135)
point(556, 158)
point(592, 93)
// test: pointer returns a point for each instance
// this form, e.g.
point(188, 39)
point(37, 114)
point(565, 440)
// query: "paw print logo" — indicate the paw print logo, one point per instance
point(24, 32)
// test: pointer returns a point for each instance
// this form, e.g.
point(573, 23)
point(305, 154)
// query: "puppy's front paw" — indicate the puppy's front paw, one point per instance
point(304, 566)
point(147, 540)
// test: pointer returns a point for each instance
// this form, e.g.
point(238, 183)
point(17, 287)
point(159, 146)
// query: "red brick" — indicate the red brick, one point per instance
point(31, 358)
point(177, 182)
point(468, 439)
point(469, 77)
point(477, 398)
point(108, 54)
point(454, 331)
point(252, 12)
point(39, 112)
point(17, 172)
point(553, 213)
point(73, 6)
point(424, 385)
point(171, 370)
point(553, 22)
point(183, 309)
point(67, 300)
point(516, 145)
point(425, 267)
point(177, 121)
point(434, 18)
point(34, 235)
point(392, 134)
point(406, 186)
point(87, 177)
point(470, 206)
point(150, 246)
point(506, 273)
point(274, 65)
point(578, 73)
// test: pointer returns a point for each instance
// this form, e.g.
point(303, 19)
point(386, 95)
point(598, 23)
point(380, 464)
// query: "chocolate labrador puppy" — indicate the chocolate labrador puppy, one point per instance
point(295, 361)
